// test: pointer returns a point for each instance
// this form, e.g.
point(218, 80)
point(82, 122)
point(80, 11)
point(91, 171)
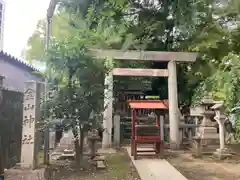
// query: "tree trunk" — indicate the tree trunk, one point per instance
point(77, 151)
point(81, 145)
point(76, 142)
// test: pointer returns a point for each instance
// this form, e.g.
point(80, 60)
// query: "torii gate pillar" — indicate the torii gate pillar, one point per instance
point(108, 111)
point(173, 105)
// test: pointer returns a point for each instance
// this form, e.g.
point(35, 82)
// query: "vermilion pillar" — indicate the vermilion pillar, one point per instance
point(133, 130)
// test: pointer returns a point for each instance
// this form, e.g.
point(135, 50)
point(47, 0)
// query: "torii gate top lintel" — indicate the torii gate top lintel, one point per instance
point(146, 55)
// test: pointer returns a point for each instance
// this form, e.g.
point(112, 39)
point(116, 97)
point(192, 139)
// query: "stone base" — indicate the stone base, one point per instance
point(23, 166)
point(174, 146)
point(222, 154)
point(25, 174)
point(196, 146)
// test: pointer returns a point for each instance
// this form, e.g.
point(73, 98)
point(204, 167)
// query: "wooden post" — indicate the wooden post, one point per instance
point(173, 106)
point(133, 131)
point(162, 127)
point(108, 111)
point(117, 130)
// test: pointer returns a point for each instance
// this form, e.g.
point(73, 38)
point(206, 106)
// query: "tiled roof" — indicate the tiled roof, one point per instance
point(12, 59)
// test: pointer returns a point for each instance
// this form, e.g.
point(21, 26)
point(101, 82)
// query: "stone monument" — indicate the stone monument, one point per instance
point(93, 138)
point(31, 116)
point(67, 141)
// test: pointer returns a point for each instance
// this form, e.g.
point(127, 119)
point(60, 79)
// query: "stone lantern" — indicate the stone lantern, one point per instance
point(207, 131)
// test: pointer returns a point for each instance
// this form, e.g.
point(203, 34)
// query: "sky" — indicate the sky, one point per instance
point(21, 17)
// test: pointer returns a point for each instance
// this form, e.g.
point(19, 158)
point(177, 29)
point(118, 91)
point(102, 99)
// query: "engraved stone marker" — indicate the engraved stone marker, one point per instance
point(31, 115)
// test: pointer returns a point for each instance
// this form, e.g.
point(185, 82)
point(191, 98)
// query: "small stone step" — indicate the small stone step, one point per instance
point(68, 151)
point(106, 151)
point(67, 157)
point(99, 158)
point(100, 165)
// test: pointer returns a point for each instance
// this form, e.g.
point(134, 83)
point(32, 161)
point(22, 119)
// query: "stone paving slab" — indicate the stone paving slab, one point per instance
point(156, 169)
point(106, 151)
point(25, 174)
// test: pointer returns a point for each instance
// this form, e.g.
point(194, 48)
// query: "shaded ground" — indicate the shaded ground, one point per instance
point(235, 148)
point(119, 167)
point(206, 168)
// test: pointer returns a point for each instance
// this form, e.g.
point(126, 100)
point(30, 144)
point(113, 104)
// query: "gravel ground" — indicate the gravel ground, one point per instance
point(206, 168)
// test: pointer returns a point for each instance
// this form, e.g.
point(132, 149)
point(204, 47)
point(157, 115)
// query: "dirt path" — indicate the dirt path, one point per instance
point(206, 168)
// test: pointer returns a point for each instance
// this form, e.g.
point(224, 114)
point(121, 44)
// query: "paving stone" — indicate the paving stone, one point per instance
point(155, 169)
point(100, 165)
point(106, 151)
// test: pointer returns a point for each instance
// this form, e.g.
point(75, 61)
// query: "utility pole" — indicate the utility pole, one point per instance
point(46, 128)
point(50, 12)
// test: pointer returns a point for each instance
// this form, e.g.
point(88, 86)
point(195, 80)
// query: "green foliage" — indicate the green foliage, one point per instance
point(77, 78)
point(36, 43)
point(209, 27)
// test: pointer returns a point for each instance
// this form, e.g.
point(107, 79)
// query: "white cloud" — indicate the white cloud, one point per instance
point(21, 18)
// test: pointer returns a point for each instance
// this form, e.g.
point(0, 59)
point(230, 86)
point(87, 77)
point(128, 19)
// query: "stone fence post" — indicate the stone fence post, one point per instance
point(116, 123)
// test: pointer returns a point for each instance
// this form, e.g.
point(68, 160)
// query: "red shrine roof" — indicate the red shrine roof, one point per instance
point(148, 104)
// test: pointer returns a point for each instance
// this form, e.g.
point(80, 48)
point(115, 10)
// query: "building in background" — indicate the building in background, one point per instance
point(2, 18)
point(16, 72)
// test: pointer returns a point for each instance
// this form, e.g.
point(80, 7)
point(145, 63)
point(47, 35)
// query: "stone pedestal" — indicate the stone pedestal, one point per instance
point(222, 153)
point(30, 130)
point(26, 174)
point(92, 139)
point(67, 141)
point(197, 147)
point(207, 132)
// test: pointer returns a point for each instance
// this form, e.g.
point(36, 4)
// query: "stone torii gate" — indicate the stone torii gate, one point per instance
point(171, 57)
